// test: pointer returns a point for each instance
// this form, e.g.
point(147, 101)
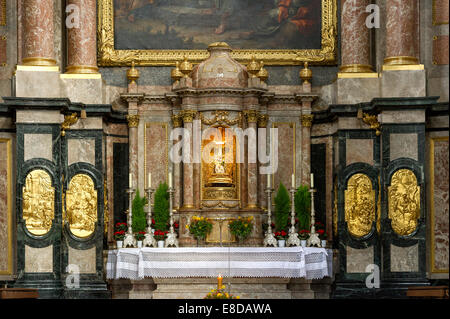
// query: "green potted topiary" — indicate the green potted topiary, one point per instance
point(302, 201)
point(161, 209)
point(139, 220)
point(282, 209)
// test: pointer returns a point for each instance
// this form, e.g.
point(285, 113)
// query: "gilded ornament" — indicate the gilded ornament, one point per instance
point(253, 68)
point(177, 120)
point(262, 120)
point(38, 208)
point(186, 67)
point(372, 120)
point(220, 117)
point(263, 74)
point(132, 74)
point(307, 120)
point(359, 205)
point(252, 116)
point(188, 115)
point(306, 73)
point(81, 205)
point(404, 202)
point(69, 120)
point(133, 120)
point(176, 74)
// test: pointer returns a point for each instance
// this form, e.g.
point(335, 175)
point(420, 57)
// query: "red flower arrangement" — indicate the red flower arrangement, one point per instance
point(160, 235)
point(304, 234)
point(322, 234)
point(140, 235)
point(119, 235)
point(121, 227)
point(281, 235)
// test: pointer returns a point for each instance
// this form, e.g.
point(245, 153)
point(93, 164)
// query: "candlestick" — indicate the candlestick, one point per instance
point(149, 181)
point(293, 239)
point(268, 180)
point(270, 239)
point(312, 180)
point(293, 181)
point(171, 239)
point(313, 239)
point(149, 240)
point(170, 179)
point(219, 281)
point(130, 181)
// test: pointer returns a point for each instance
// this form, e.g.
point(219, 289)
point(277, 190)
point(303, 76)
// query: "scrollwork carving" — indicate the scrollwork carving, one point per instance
point(220, 117)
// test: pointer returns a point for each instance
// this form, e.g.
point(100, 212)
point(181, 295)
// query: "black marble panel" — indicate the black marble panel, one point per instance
point(120, 180)
point(318, 168)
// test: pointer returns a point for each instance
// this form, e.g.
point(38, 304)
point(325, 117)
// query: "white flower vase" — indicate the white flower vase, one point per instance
point(303, 242)
point(323, 243)
point(119, 244)
point(160, 243)
point(139, 243)
point(281, 243)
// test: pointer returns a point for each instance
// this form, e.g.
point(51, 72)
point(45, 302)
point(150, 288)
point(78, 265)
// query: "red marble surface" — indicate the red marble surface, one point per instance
point(441, 205)
point(401, 28)
point(286, 153)
point(156, 153)
point(82, 41)
point(440, 50)
point(354, 33)
point(440, 11)
point(38, 30)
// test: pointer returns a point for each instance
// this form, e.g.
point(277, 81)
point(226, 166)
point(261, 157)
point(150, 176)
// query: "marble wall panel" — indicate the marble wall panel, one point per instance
point(156, 152)
point(81, 150)
point(84, 259)
point(5, 207)
point(351, 91)
point(440, 205)
point(29, 84)
point(38, 259)
point(440, 50)
point(405, 259)
point(403, 145)
point(359, 150)
point(286, 154)
point(46, 117)
point(403, 83)
point(440, 11)
point(395, 117)
point(3, 58)
point(359, 259)
point(38, 146)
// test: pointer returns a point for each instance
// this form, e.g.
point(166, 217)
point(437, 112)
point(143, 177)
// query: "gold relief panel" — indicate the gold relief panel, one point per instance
point(81, 205)
point(38, 209)
point(359, 205)
point(404, 202)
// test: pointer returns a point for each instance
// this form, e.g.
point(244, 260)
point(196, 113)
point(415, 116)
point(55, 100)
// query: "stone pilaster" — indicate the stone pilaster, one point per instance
point(306, 120)
point(252, 168)
point(133, 123)
point(188, 168)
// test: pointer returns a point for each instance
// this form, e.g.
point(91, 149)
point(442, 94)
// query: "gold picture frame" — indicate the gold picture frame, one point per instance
point(109, 56)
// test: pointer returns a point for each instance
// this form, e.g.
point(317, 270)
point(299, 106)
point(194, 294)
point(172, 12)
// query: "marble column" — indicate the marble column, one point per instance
point(401, 32)
point(38, 33)
point(133, 123)
point(252, 169)
point(355, 37)
point(306, 120)
point(82, 38)
point(188, 168)
point(177, 122)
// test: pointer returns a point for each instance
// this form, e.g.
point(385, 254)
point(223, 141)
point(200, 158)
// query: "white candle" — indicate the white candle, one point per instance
point(130, 180)
point(268, 180)
point(170, 179)
point(293, 181)
point(312, 180)
point(149, 180)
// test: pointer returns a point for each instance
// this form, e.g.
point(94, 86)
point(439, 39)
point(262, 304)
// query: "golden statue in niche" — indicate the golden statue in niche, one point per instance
point(404, 202)
point(220, 170)
point(81, 205)
point(38, 207)
point(359, 205)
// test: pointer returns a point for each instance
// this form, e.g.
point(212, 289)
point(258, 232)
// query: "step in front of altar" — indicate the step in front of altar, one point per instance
point(245, 288)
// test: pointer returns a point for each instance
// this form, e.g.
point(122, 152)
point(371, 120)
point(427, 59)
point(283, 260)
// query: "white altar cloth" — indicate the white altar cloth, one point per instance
point(288, 262)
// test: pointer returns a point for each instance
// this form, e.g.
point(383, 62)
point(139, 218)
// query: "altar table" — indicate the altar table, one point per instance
point(288, 262)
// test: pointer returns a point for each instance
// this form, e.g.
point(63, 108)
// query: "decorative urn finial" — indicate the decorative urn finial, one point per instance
point(253, 68)
point(176, 74)
point(133, 73)
point(306, 74)
point(186, 67)
point(263, 74)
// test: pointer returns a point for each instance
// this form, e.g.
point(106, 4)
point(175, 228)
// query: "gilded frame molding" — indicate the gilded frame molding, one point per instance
point(432, 217)
point(434, 20)
point(9, 271)
point(2, 12)
point(109, 56)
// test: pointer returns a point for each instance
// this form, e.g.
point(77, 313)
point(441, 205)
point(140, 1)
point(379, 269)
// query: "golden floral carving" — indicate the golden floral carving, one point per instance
point(262, 120)
point(306, 120)
point(220, 117)
point(359, 205)
point(404, 202)
point(81, 205)
point(69, 120)
point(251, 115)
point(38, 207)
point(372, 120)
point(188, 115)
point(109, 56)
point(177, 120)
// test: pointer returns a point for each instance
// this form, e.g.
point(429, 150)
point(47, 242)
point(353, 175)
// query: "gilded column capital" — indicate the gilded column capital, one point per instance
point(306, 120)
point(188, 115)
point(133, 120)
point(262, 120)
point(177, 120)
point(252, 116)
